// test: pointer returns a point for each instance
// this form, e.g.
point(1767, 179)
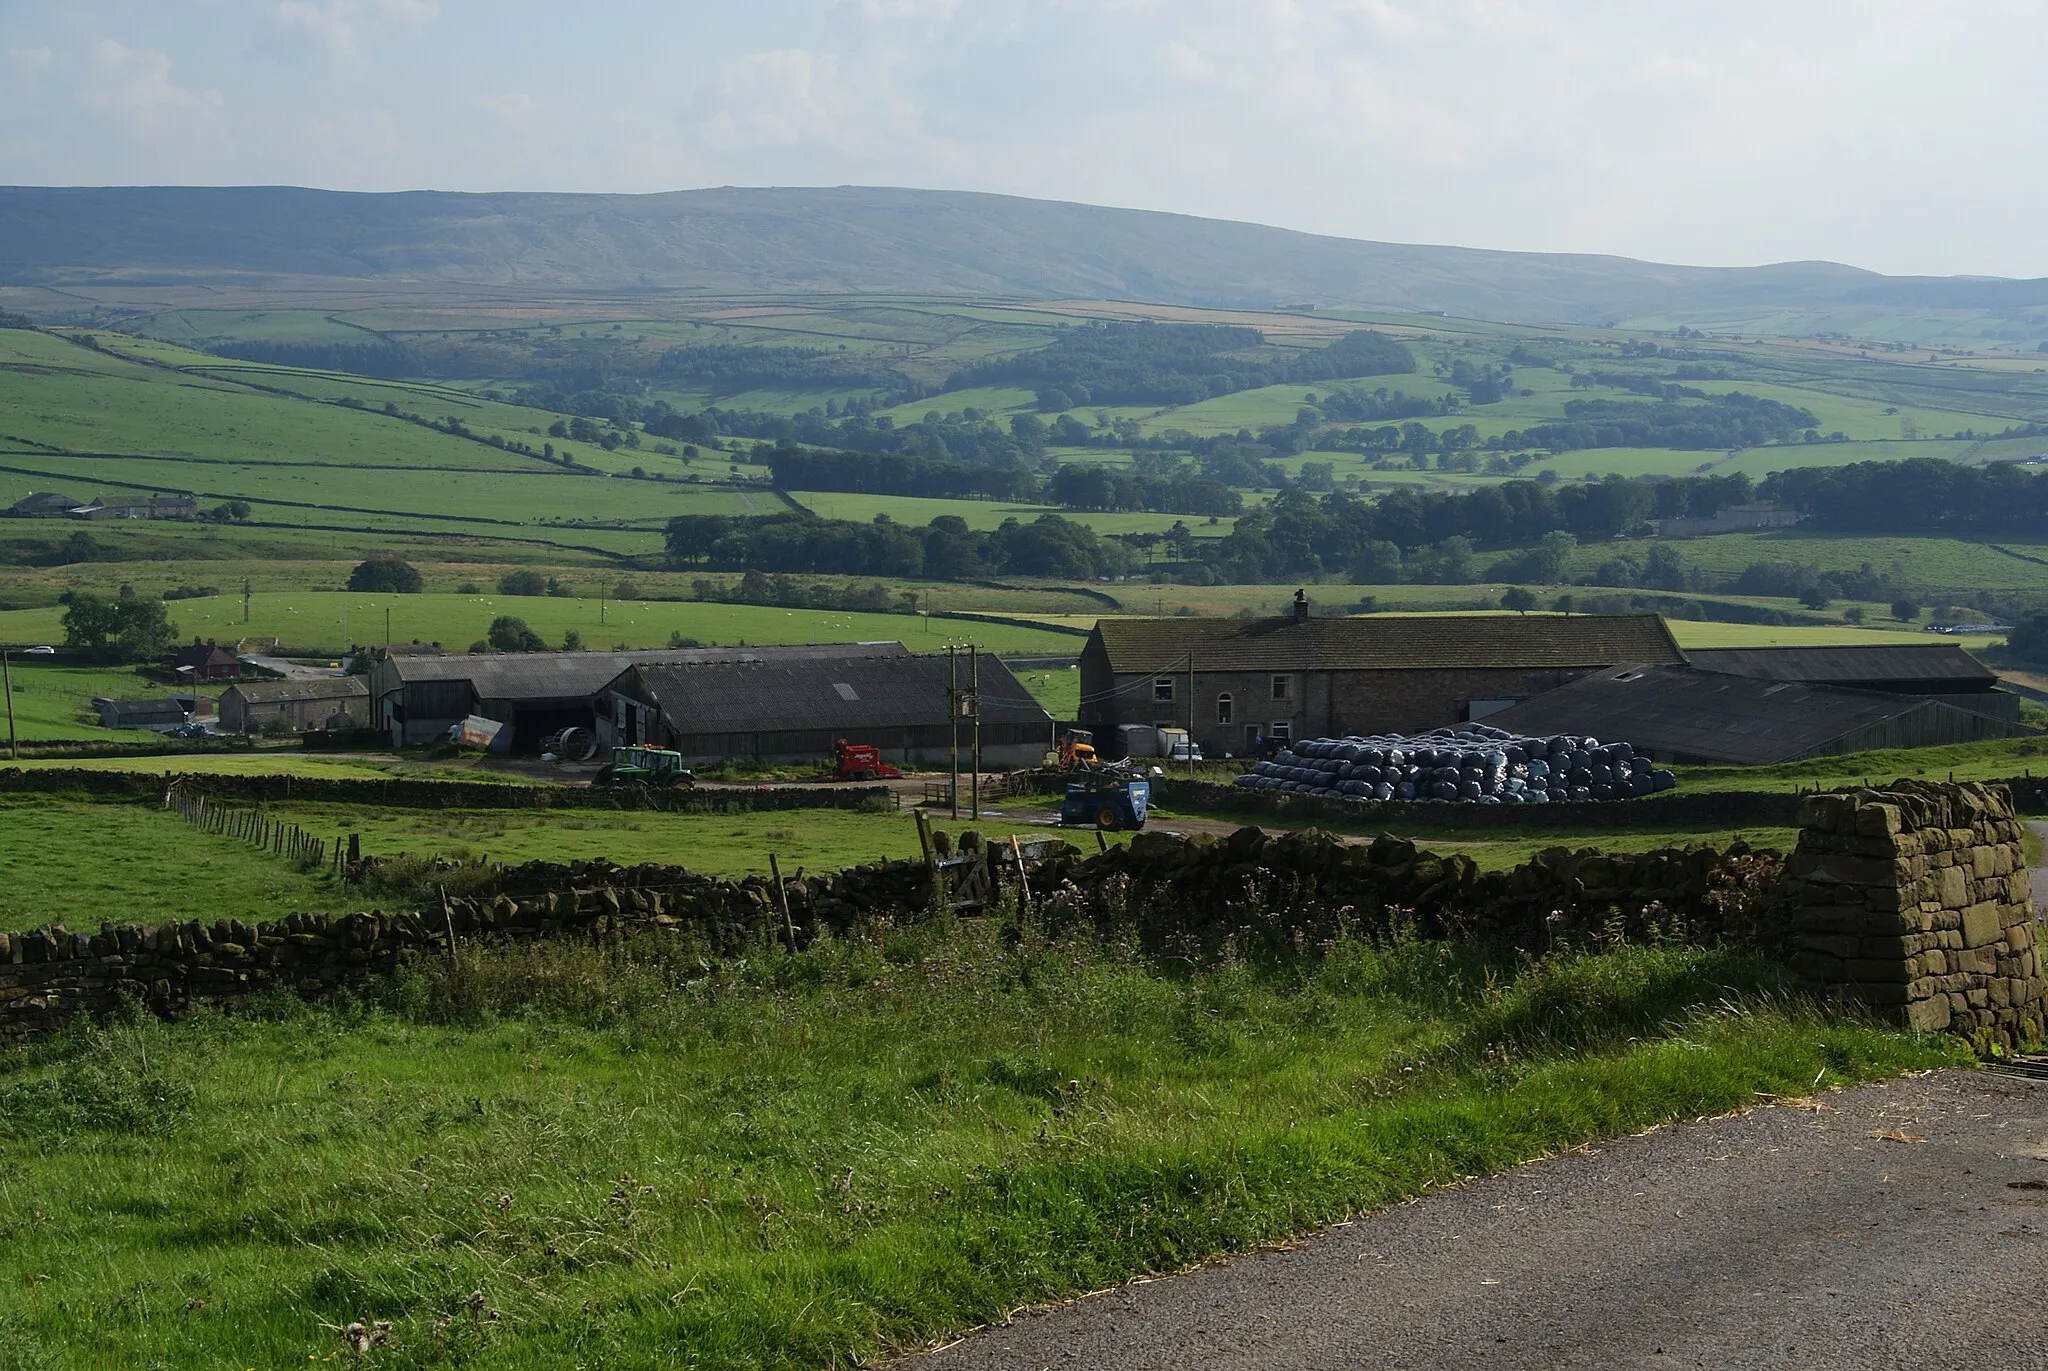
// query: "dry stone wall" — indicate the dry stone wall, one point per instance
point(1915, 899)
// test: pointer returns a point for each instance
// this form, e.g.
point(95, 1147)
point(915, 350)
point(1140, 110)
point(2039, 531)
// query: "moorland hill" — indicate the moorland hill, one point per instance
point(870, 239)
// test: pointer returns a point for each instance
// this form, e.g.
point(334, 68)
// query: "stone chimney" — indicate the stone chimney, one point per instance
point(1301, 606)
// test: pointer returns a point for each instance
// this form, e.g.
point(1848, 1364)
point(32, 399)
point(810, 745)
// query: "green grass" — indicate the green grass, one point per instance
point(1990, 761)
point(55, 702)
point(330, 620)
point(84, 864)
point(718, 844)
point(798, 1161)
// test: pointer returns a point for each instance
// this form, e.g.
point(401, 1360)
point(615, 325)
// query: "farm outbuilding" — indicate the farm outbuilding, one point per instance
point(329, 702)
point(417, 699)
point(793, 709)
point(206, 662)
point(1686, 715)
point(157, 712)
point(1934, 671)
point(1240, 681)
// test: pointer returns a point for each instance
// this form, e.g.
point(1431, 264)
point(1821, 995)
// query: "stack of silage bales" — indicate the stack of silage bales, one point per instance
point(1469, 764)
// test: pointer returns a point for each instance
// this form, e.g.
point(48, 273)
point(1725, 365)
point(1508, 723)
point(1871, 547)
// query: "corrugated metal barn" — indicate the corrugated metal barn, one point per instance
point(1686, 715)
point(1933, 671)
point(1236, 681)
point(417, 699)
point(793, 709)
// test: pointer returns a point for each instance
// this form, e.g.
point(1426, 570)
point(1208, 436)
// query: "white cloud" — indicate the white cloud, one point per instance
point(794, 97)
point(135, 89)
point(930, 11)
point(31, 62)
point(344, 29)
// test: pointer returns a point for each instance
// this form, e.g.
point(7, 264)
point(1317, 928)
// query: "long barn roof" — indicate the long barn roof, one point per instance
point(577, 675)
point(1927, 666)
point(1386, 642)
point(1705, 716)
point(845, 693)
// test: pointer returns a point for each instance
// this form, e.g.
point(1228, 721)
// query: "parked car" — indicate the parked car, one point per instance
point(188, 730)
point(40, 650)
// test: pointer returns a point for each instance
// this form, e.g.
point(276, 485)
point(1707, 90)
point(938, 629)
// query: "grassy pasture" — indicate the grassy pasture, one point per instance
point(125, 863)
point(799, 1161)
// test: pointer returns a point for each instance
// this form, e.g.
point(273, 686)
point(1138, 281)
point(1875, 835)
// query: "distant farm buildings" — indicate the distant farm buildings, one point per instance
point(792, 708)
point(50, 505)
point(1237, 683)
point(417, 699)
point(1728, 519)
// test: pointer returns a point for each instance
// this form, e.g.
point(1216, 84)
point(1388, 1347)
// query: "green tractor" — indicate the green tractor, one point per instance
point(648, 766)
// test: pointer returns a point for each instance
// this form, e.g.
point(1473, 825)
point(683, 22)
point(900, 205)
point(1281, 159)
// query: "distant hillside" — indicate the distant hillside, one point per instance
point(868, 239)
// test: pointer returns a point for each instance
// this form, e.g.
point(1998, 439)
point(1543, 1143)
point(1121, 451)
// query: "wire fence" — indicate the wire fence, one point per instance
point(257, 827)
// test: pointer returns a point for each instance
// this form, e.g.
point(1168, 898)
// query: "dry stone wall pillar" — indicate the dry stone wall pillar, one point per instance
point(1914, 899)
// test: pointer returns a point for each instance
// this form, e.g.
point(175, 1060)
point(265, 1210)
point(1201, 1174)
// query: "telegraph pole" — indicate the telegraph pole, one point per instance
point(974, 703)
point(245, 600)
point(1191, 716)
point(7, 687)
point(953, 725)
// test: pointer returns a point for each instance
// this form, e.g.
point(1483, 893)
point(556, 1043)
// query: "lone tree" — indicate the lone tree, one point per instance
point(385, 573)
point(2028, 640)
point(508, 634)
point(522, 583)
point(124, 629)
point(1904, 610)
point(1520, 600)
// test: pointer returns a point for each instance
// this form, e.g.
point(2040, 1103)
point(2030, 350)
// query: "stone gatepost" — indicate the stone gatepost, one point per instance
point(1914, 899)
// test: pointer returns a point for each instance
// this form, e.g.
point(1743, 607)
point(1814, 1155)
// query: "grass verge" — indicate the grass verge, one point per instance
point(558, 1156)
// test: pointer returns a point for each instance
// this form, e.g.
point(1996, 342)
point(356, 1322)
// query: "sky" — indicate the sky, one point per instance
point(1902, 137)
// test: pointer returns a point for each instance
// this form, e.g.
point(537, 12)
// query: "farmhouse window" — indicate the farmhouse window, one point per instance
point(1162, 691)
point(1225, 708)
point(1282, 688)
point(1280, 731)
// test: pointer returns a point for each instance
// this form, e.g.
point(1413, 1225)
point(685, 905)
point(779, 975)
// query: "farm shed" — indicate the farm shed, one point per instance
point(1936, 671)
point(206, 662)
point(418, 698)
point(1684, 714)
point(794, 709)
point(1306, 677)
point(45, 504)
point(326, 702)
point(150, 711)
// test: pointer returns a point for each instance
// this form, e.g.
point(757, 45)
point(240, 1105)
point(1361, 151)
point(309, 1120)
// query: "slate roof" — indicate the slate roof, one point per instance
point(1386, 642)
point(824, 693)
point(321, 688)
point(579, 675)
point(161, 708)
point(1931, 668)
point(1694, 715)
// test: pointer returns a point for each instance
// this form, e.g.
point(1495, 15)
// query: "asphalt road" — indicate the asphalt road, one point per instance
point(1787, 1237)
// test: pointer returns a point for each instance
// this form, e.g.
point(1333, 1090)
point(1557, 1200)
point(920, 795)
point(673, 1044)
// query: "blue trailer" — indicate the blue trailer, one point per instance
point(1105, 802)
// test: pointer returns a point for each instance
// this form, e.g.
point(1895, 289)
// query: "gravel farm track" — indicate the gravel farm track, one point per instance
point(1902, 1224)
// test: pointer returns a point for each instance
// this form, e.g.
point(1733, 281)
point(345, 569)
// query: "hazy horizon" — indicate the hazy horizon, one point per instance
point(1891, 137)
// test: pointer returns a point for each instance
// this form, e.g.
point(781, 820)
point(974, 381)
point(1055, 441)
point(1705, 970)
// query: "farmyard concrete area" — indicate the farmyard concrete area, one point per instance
point(1901, 1224)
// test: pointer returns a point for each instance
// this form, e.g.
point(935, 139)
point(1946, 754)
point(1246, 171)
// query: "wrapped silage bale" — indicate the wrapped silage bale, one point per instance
point(1469, 764)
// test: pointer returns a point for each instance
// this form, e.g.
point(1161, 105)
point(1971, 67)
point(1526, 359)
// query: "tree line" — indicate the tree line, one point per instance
point(1155, 363)
point(945, 549)
point(1919, 495)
